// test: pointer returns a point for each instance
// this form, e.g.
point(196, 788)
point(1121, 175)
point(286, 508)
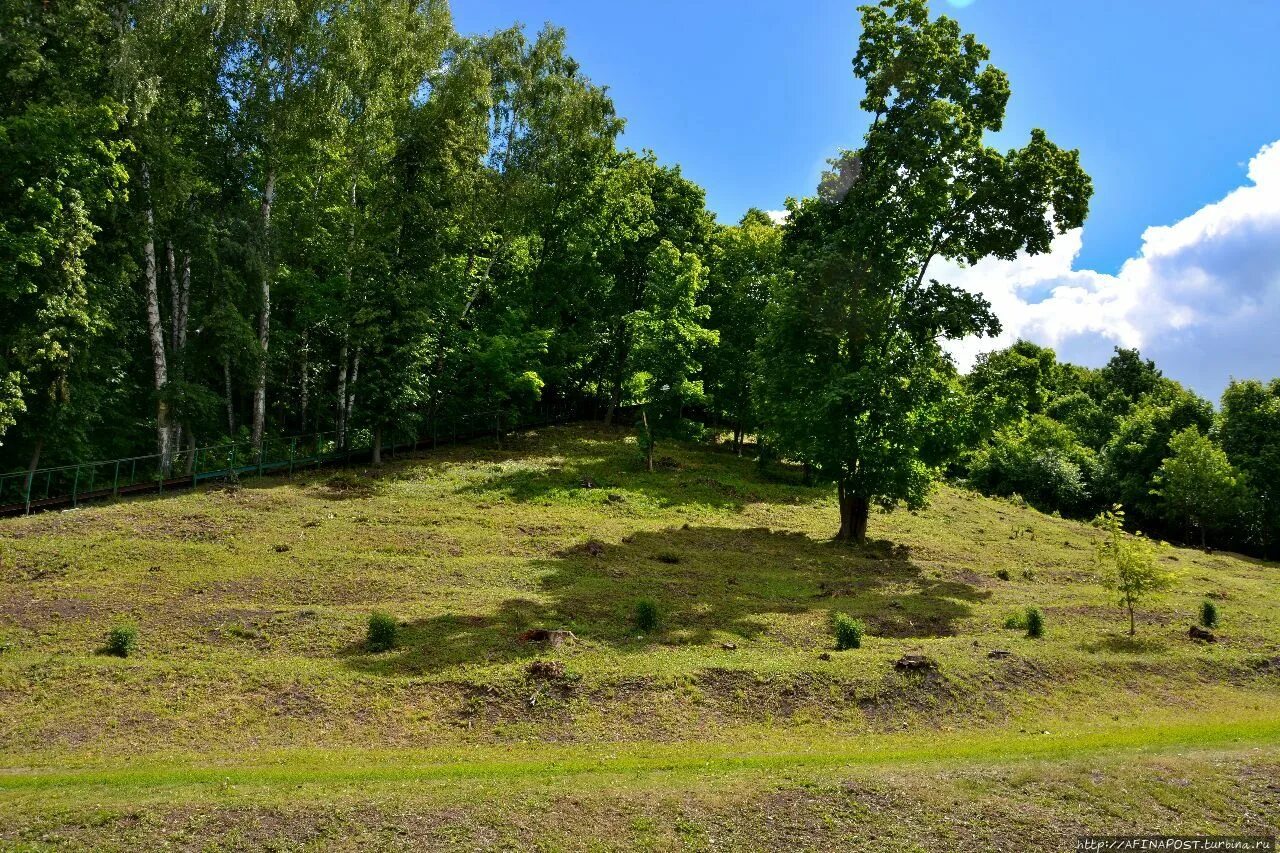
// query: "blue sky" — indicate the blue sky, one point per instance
point(1168, 100)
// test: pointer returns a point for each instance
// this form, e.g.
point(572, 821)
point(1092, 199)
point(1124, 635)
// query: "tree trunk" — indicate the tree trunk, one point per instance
point(173, 295)
point(377, 446)
point(155, 332)
point(32, 466)
point(264, 318)
point(648, 434)
point(1133, 628)
point(306, 385)
point(1204, 539)
point(191, 451)
point(342, 394)
point(615, 399)
point(351, 388)
point(231, 408)
point(184, 303)
point(855, 510)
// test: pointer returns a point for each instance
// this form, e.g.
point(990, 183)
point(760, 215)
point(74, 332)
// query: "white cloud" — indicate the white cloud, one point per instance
point(1202, 296)
point(779, 217)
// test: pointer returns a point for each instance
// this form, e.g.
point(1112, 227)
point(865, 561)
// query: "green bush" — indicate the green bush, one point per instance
point(1015, 622)
point(1002, 574)
point(382, 632)
point(1209, 614)
point(646, 615)
point(122, 640)
point(848, 631)
point(1035, 623)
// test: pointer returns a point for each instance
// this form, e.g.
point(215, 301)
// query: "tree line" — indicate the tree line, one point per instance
point(253, 218)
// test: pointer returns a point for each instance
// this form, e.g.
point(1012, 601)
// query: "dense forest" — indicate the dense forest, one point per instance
point(274, 217)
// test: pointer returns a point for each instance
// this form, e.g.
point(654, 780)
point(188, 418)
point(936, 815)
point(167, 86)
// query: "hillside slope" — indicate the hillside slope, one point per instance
point(253, 710)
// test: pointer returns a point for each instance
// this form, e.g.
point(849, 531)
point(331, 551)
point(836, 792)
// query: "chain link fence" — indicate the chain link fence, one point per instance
point(71, 485)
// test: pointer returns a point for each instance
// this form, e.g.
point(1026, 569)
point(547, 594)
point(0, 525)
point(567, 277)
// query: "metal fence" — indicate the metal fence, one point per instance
point(71, 485)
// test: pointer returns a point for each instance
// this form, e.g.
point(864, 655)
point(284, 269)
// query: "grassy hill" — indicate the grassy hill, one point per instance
point(254, 715)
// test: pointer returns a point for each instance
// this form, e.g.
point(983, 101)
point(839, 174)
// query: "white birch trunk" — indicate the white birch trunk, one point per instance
point(342, 394)
point(264, 317)
point(155, 332)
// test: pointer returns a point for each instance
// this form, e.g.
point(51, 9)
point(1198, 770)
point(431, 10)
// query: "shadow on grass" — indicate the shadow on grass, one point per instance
point(710, 584)
point(600, 459)
point(1124, 644)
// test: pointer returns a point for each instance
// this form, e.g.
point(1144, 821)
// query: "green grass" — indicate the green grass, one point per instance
point(254, 680)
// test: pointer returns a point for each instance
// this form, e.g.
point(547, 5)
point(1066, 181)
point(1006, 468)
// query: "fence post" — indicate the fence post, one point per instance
point(232, 469)
point(75, 489)
point(293, 449)
point(195, 467)
point(115, 481)
point(28, 498)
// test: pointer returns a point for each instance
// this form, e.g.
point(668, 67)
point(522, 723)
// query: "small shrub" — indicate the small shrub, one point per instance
point(1209, 614)
point(848, 631)
point(1015, 622)
point(1035, 623)
point(1002, 574)
point(646, 615)
point(382, 632)
point(122, 640)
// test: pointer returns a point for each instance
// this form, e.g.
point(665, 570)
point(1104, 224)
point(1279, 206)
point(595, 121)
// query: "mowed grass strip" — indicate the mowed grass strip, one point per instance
point(350, 767)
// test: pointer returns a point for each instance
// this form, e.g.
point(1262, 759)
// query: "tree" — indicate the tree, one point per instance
point(1141, 443)
point(668, 343)
point(60, 177)
point(1014, 382)
point(1249, 428)
point(857, 385)
point(744, 264)
point(1128, 563)
point(1039, 459)
point(1197, 484)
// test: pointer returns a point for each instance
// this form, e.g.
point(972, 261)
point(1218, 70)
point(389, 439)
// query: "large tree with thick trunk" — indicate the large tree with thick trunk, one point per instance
point(855, 383)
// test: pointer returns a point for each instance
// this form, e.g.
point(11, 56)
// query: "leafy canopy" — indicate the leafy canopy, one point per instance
point(856, 384)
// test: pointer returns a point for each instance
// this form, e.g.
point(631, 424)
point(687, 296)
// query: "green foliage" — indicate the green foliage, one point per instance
point(1208, 614)
point(1015, 622)
point(122, 640)
point(1034, 622)
point(1249, 429)
point(1141, 442)
point(646, 616)
point(1128, 564)
point(855, 383)
point(382, 632)
point(1197, 484)
point(847, 630)
point(1039, 459)
point(1013, 383)
point(668, 342)
point(744, 265)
